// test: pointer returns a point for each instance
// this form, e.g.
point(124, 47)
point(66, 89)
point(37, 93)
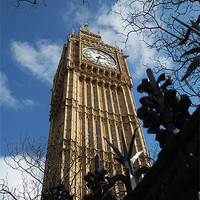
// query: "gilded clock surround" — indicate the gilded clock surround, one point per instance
point(89, 102)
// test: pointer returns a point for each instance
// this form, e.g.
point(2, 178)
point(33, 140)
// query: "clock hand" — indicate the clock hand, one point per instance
point(98, 57)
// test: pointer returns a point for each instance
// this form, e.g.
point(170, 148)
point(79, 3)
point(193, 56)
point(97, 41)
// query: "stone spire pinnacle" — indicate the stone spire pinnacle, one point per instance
point(86, 27)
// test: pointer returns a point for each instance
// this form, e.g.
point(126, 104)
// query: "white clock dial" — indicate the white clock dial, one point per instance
point(99, 57)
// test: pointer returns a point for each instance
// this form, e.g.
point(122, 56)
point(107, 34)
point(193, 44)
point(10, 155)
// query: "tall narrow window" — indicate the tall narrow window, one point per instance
point(96, 132)
point(112, 139)
point(120, 142)
point(87, 93)
point(111, 135)
point(107, 100)
point(113, 102)
point(88, 134)
point(94, 96)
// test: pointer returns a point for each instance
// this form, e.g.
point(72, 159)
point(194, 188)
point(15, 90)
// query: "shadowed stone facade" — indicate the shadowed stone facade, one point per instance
point(89, 101)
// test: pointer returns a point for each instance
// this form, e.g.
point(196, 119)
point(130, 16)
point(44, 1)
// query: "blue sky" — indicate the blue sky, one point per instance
point(31, 45)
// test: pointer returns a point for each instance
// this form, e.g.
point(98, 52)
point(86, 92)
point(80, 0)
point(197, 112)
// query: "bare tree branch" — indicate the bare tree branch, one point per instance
point(155, 22)
point(33, 3)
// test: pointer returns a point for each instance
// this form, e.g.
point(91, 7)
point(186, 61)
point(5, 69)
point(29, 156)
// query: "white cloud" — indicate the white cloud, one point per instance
point(109, 23)
point(75, 14)
point(18, 181)
point(139, 55)
point(40, 60)
point(7, 98)
point(13, 176)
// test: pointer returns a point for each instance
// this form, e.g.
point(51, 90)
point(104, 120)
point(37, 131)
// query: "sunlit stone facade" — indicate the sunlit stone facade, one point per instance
point(89, 101)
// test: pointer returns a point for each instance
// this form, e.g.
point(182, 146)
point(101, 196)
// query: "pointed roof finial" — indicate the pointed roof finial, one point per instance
point(86, 26)
point(73, 31)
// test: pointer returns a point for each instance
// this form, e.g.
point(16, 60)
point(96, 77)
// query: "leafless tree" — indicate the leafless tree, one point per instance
point(157, 23)
point(28, 157)
point(153, 152)
point(31, 3)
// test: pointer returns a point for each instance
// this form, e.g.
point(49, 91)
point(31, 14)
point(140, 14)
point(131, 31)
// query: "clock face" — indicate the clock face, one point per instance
point(99, 57)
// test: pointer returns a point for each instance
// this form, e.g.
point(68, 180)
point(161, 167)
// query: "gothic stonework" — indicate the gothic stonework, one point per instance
point(91, 99)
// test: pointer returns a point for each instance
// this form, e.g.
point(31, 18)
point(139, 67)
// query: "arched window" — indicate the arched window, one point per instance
point(107, 100)
point(88, 132)
point(113, 103)
point(87, 95)
point(112, 138)
point(120, 142)
point(94, 97)
point(96, 132)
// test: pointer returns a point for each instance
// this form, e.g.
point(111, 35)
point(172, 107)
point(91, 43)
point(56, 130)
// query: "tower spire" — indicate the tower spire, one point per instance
point(92, 85)
point(86, 27)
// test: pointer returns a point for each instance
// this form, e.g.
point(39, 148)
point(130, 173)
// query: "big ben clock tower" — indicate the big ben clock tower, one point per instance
point(91, 99)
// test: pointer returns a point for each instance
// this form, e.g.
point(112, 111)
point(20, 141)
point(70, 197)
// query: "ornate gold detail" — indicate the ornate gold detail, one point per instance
point(86, 27)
